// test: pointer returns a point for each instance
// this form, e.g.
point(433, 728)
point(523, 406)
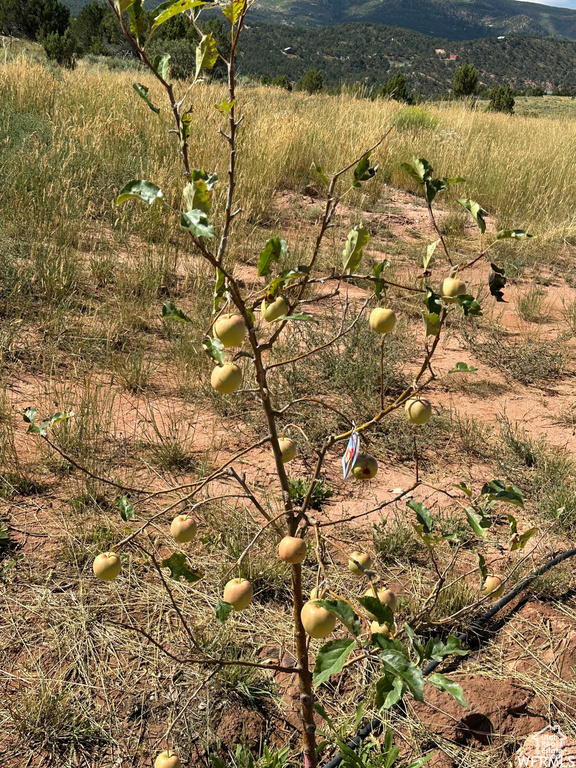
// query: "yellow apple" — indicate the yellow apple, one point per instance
point(362, 558)
point(167, 759)
point(183, 528)
point(317, 621)
point(292, 550)
point(382, 320)
point(275, 309)
point(287, 448)
point(106, 566)
point(383, 629)
point(493, 587)
point(226, 378)
point(230, 329)
point(450, 288)
point(418, 410)
point(365, 467)
point(238, 592)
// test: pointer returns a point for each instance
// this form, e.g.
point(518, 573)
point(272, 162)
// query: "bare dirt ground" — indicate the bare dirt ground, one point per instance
point(78, 689)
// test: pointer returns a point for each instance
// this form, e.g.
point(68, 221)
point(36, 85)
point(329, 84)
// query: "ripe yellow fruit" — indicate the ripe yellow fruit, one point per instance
point(386, 596)
point(106, 566)
point(288, 449)
point(493, 587)
point(382, 320)
point(418, 410)
point(275, 309)
point(226, 378)
point(365, 467)
point(383, 629)
point(450, 288)
point(183, 528)
point(360, 557)
point(230, 329)
point(292, 550)
point(238, 592)
point(167, 759)
point(317, 621)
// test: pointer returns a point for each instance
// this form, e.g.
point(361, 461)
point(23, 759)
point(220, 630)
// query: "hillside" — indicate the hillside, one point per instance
point(372, 53)
point(452, 19)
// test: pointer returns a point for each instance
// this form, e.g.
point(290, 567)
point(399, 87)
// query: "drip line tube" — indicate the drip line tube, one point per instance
point(377, 722)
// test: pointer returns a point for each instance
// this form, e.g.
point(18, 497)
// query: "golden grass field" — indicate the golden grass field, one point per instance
point(82, 284)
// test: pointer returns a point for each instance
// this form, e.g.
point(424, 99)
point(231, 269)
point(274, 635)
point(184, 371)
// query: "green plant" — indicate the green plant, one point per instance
point(501, 99)
point(312, 81)
point(395, 88)
point(286, 302)
point(414, 119)
point(465, 80)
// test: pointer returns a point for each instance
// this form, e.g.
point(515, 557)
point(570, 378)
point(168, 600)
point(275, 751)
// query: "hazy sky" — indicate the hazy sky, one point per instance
point(559, 3)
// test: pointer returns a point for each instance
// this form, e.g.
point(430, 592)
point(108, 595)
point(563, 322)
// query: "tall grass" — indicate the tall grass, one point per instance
point(77, 137)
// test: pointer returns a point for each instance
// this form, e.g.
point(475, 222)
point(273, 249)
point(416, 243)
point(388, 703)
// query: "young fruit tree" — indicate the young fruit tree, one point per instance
point(243, 334)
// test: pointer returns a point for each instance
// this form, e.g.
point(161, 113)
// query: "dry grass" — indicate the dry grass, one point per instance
point(83, 283)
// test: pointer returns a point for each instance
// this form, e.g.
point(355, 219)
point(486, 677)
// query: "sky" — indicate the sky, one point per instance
point(558, 3)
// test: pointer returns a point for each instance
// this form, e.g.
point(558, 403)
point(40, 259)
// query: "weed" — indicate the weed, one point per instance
point(532, 306)
point(299, 488)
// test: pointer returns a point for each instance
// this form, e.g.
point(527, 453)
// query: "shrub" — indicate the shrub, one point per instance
point(312, 81)
point(415, 119)
point(502, 99)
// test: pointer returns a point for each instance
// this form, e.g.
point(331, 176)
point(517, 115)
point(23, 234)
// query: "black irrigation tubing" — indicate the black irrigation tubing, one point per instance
point(377, 722)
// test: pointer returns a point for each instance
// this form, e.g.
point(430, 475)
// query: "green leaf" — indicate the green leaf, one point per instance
point(496, 490)
point(526, 536)
point(431, 323)
point(363, 171)
point(225, 106)
point(429, 253)
point(515, 234)
point(185, 122)
point(179, 569)
point(126, 509)
point(463, 487)
point(416, 644)
point(496, 281)
point(353, 252)
point(513, 523)
point(233, 10)
point(382, 611)
point(275, 250)
point(223, 610)
point(285, 276)
point(161, 64)
point(389, 691)
point(220, 288)
point(170, 312)
point(29, 415)
point(448, 686)
point(215, 349)
point(378, 269)
point(422, 515)
point(432, 301)
point(199, 190)
point(420, 762)
point(483, 569)
point(142, 91)
point(477, 213)
point(324, 715)
point(137, 19)
point(330, 659)
point(406, 670)
point(142, 189)
point(462, 368)
point(178, 7)
point(344, 611)
point(320, 171)
point(206, 53)
point(122, 5)
point(478, 523)
point(198, 223)
point(469, 305)
point(436, 648)
point(46, 425)
point(421, 170)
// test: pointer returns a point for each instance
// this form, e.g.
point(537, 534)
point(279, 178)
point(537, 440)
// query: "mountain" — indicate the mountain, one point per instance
point(371, 53)
point(451, 19)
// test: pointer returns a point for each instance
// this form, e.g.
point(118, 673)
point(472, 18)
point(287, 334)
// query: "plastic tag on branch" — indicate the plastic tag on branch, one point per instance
point(351, 453)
